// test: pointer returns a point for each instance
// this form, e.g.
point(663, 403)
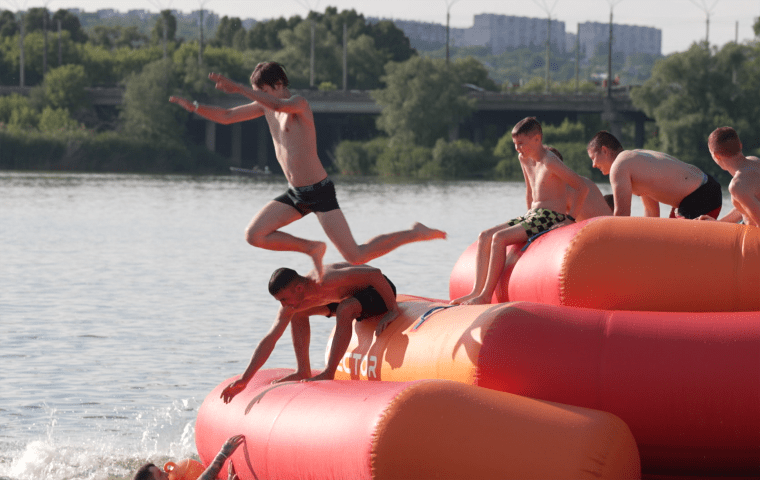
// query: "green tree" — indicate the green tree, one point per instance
point(69, 23)
point(226, 31)
point(64, 88)
point(166, 18)
point(422, 101)
point(118, 36)
point(146, 113)
point(8, 24)
point(693, 92)
point(265, 35)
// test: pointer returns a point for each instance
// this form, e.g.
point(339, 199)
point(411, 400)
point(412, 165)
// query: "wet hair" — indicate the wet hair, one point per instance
point(269, 73)
point(610, 199)
point(555, 152)
point(724, 141)
point(528, 126)
point(281, 278)
point(604, 138)
point(144, 473)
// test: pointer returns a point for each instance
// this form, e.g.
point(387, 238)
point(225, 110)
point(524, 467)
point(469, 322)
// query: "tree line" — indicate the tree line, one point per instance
point(688, 94)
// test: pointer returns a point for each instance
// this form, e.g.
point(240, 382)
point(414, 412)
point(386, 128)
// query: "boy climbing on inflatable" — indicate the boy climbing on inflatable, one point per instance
point(656, 177)
point(726, 149)
point(348, 292)
point(546, 181)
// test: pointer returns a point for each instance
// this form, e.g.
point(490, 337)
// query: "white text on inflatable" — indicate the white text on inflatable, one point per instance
point(358, 364)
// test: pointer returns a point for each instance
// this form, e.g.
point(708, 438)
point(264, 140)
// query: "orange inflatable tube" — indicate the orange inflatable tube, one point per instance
point(427, 429)
point(633, 263)
point(687, 384)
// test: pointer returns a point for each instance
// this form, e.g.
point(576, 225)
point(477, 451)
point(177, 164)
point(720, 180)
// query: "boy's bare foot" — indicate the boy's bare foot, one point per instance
point(461, 300)
point(479, 300)
point(427, 233)
point(317, 253)
point(321, 376)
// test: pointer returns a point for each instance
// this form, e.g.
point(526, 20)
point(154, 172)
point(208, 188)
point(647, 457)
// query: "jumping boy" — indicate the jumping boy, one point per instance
point(291, 124)
point(348, 292)
point(546, 181)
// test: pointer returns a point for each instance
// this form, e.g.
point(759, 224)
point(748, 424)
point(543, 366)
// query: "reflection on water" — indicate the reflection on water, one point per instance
point(124, 299)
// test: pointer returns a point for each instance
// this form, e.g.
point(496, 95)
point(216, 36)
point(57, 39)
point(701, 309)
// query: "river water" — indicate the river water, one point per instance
point(124, 299)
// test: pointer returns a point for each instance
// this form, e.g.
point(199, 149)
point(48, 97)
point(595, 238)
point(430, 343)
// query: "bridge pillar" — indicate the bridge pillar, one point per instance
point(237, 144)
point(210, 135)
point(639, 135)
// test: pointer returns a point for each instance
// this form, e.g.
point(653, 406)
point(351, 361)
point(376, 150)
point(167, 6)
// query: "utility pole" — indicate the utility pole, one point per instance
point(345, 57)
point(577, 58)
point(449, 4)
point(707, 9)
point(548, 9)
point(307, 4)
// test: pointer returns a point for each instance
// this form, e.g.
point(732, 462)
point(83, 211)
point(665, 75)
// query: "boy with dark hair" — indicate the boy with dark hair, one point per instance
point(726, 150)
point(546, 182)
point(347, 292)
point(150, 471)
point(655, 177)
point(291, 124)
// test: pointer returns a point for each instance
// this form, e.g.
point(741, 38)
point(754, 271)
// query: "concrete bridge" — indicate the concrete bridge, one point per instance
point(350, 115)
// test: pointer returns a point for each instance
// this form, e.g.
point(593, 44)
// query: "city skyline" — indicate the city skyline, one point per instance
point(682, 22)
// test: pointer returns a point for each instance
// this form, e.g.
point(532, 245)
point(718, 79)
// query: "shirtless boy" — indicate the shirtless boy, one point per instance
point(546, 181)
point(726, 149)
point(348, 292)
point(655, 177)
point(594, 205)
point(291, 124)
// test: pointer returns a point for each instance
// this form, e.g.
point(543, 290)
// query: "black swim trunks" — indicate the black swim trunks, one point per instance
point(371, 301)
point(319, 197)
point(702, 201)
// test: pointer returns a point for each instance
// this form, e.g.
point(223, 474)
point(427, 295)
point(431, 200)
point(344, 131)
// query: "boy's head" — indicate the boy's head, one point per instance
point(602, 149)
point(150, 472)
point(528, 136)
point(724, 142)
point(269, 73)
point(285, 285)
point(528, 126)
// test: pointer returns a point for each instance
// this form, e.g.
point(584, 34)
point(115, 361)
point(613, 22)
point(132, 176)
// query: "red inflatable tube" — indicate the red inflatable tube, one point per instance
point(687, 384)
point(428, 429)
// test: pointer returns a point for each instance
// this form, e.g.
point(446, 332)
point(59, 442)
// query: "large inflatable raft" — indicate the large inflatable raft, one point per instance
point(425, 429)
point(661, 340)
point(654, 321)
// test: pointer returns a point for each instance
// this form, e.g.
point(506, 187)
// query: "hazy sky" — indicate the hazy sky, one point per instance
point(682, 21)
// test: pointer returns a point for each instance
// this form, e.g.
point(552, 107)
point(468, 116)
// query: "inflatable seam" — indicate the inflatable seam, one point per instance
point(563, 277)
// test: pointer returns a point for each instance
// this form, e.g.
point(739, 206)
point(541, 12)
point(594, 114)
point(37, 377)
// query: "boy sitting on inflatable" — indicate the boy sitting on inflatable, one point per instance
point(546, 181)
point(348, 292)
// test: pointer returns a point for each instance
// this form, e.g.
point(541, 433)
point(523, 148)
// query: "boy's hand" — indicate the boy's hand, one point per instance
point(389, 316)
point(223, 83)
point(186, 104)
point(233, 389)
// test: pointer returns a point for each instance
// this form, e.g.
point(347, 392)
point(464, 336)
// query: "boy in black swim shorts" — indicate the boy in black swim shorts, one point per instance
point(319, 197)
point(347, 292)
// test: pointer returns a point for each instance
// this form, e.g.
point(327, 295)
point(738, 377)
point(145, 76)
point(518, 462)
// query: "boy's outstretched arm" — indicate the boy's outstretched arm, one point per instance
point(260, 355)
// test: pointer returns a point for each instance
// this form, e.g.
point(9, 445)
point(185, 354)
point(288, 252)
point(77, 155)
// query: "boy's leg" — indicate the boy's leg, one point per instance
point(348, 310)
point(336, 227)
point(501, 239)
point(264, 232)
point(482, 260)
